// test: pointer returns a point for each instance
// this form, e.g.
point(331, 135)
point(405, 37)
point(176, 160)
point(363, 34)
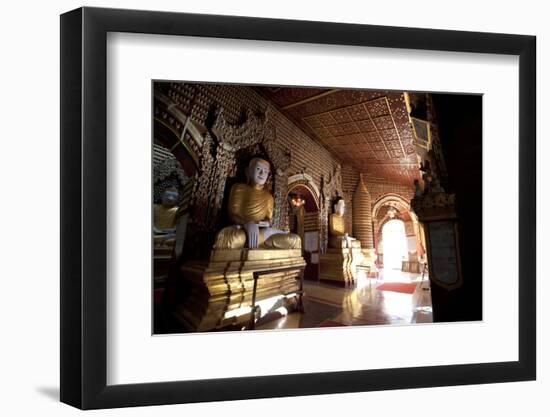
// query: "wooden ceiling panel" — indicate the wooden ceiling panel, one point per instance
point(383, 122)
point(358, 112)
point(377, 108)
point(393, 144)
point(366, 126)
point(341, 116)
point(377, 146)
point(389, 134)
point(367, 129)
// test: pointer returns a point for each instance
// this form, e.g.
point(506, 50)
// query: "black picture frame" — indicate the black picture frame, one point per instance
point(84, 207)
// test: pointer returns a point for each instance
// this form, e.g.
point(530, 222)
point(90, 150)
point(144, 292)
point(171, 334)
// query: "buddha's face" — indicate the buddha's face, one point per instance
point(259, 171)
point(170, 197)
point(340, 207)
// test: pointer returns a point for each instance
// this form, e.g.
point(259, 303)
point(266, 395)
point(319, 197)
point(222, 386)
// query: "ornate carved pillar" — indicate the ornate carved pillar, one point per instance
point(280, 218)
point(323, 216)
point(225, 162)
point(281, 159)
point(436, 211)
point(328, 189)
point(201, 193)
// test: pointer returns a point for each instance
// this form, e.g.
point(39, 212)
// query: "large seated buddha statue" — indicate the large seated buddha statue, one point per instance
point(254, 269)
point(251, 210)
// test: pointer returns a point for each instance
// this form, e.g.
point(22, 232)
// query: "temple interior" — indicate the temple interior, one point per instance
point(293, 207)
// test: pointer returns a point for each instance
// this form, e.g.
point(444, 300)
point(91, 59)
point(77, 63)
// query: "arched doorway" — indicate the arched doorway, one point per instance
point(303, 211)
point(395, 207)
point(394, 244)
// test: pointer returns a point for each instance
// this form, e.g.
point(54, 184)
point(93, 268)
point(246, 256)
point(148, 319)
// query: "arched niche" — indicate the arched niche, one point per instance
point(305, 181)
point(304, 220)
point(395, 199)
point(167, 137)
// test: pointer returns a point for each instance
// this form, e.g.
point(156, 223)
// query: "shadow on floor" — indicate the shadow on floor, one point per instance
point(49, 392)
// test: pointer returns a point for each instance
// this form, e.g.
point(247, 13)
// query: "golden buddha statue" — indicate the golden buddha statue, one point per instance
point(251, 210)
point(164, 218)
point(338, 237)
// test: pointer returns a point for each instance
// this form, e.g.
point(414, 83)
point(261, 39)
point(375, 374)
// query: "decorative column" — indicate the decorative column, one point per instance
point(362, 222)
point(362, 215)
point(411, 264)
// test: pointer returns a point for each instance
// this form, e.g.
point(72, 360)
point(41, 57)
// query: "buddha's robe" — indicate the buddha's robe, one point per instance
point(337, 233)
point(249, 204)
point(164, 220)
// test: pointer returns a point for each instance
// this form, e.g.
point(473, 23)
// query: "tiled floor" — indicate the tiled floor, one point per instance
point(364, 304)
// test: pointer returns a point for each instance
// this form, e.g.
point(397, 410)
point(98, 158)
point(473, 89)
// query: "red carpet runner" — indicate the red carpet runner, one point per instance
point(331, 323)
point(404, 287)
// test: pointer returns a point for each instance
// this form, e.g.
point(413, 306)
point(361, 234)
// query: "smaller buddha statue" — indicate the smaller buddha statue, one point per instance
point(338, 264)
point(251, 210)
point(338, 237)
point(164, 223)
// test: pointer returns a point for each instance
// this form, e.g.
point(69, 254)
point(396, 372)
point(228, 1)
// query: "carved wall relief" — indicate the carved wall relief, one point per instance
point(225, 146)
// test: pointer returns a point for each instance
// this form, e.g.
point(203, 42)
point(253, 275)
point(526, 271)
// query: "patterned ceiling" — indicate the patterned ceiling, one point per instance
point(367, 129)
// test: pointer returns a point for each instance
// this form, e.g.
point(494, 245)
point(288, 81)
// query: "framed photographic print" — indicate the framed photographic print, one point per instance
point(259, 208)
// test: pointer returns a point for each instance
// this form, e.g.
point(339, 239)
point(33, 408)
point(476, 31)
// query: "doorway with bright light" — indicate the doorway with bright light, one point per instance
point(394, 241)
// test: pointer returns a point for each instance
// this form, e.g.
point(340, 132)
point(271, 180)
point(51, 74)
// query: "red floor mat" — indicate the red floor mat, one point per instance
point(330, 323)
point(403, 287)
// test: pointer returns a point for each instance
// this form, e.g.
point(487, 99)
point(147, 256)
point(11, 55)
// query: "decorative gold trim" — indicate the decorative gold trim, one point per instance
point(418, 140)
point(409, 110)
point(253, 254)
point(433, 207)
point(307, 100)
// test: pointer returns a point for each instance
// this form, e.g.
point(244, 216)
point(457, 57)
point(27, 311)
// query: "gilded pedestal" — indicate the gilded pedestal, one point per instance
point(221, 290)
point(369, 259)
point(339, 265)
